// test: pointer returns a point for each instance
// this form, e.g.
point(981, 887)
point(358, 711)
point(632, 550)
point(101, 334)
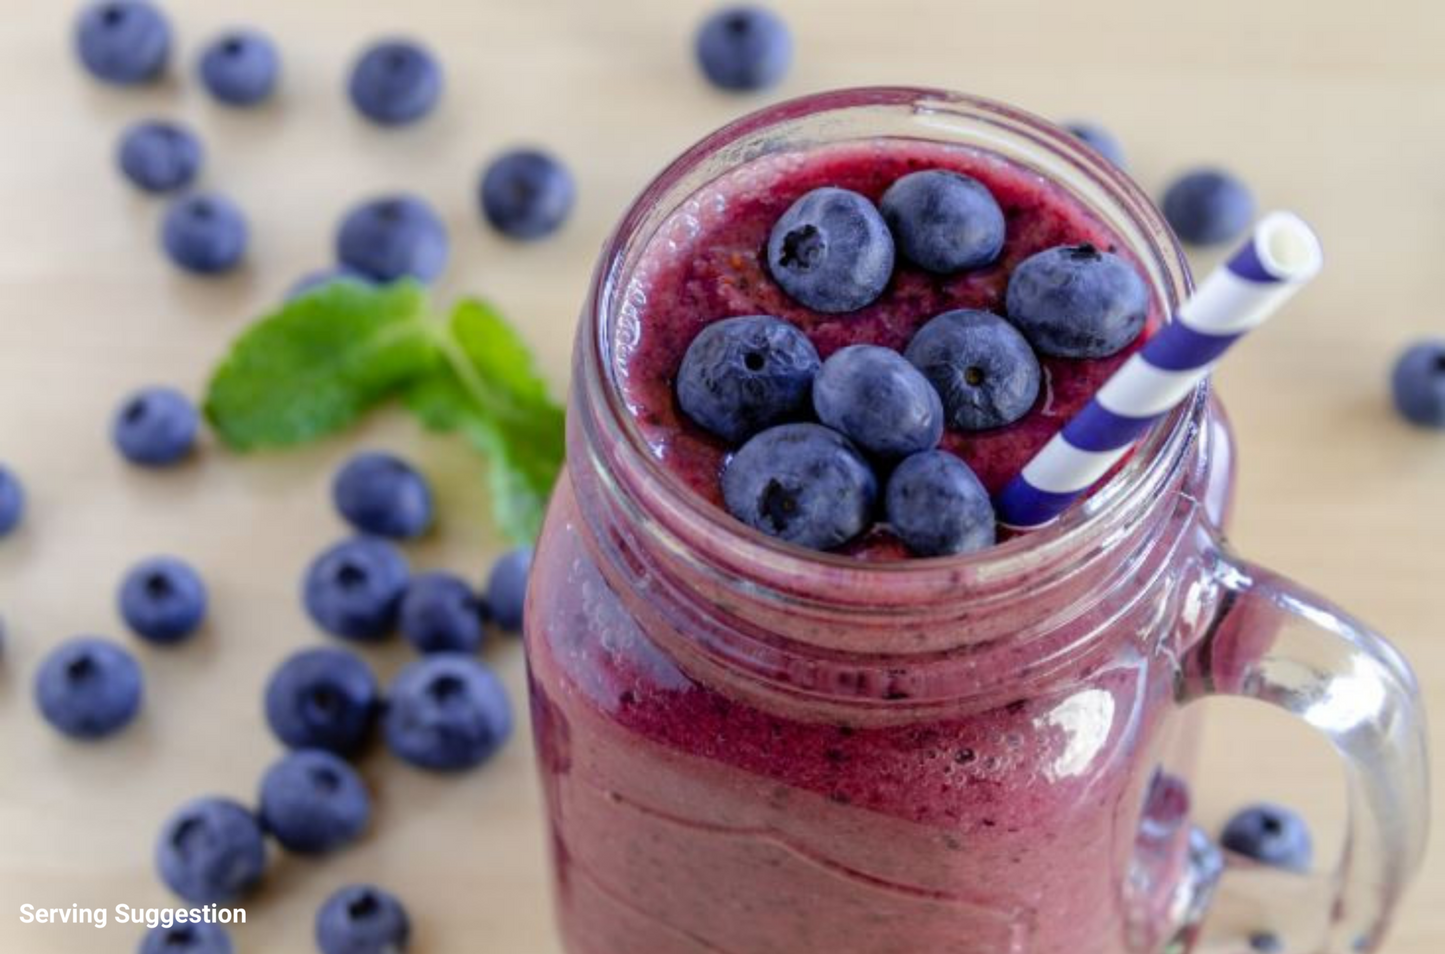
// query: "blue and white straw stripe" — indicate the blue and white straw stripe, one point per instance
point(1280, 257)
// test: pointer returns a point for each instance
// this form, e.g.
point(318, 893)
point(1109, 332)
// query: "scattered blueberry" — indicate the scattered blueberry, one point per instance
point(802, 483)
point(507, 588)
point(1100, 140)
point(441, 614)
point(88, 688)
point(981, 366)
point(12, 500)
point(323, 698)
point(1208, 206)
point(832, 251)
point(1266, 942)
point(362, 919)
point(312, 802)
point(324, 277)
point(943, 222)
point(163, 600)
point(744, 48)
point(1418, 383)
point(879, 401)
point(527, 194)
point(1074, 301)
point(201, 937)
point(354, 588)
point(392, 237)
point(240, 68)
point(382, 494)
point(159, 156)
point(741, 375)
point(937, 506)
point(395, 82)
point(446, 712)
point(123, 41)
point(211, 851)
point(204, 234)
point(1271, 835)
point(155, 427)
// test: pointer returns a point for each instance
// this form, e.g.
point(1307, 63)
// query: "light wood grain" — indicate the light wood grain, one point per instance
point(1337, 110)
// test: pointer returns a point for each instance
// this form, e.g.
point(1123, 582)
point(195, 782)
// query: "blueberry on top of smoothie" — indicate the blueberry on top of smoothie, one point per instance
point(937, 507)
point(944, 222)
point(1074, 301)
point(741, 375)
point(983, 368)
point(802, 483)
point(878, 400)
point(832, 251)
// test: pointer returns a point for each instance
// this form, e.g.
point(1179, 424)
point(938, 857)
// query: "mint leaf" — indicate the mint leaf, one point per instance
point(314, 366)
point(490, 392)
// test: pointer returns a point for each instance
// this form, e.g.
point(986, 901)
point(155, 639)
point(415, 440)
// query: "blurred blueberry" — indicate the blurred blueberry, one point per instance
point(192, 938)
point(362, 919)
point(324, 698)
point(159, 156)
point(12, 500)
point(395, 82)
point(1271, 835)
point(354, 588)
point(507, 588)
point(155, 427)
point(527, 194)
point(240, 68)
point(440, 613)
point(392, 237)
point(163, 600)
point(382, 494)
point(123, 41)
point(1208, 206)
point(204, 234)
point(312, 802)
point(88, 688)
point(744, 48)
point(446, 712)
point(1100, 139)
point(211, 851)
point(1418, 383)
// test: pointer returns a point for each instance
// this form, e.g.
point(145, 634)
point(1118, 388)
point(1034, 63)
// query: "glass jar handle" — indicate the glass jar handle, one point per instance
point(1275, 642)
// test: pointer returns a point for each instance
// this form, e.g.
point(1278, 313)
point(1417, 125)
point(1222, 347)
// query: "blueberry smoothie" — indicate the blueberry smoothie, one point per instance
point(744, 769)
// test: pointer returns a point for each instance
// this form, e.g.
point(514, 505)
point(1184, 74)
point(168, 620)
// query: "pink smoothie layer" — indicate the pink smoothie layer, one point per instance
point(709, 263)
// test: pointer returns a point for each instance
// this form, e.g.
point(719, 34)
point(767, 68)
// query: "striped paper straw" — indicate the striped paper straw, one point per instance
point(1280, 257)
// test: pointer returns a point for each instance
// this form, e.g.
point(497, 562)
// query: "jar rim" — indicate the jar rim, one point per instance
point(1125, 495)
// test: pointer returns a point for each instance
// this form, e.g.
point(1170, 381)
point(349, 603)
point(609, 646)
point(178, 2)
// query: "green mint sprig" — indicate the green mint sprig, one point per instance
point(321, 361)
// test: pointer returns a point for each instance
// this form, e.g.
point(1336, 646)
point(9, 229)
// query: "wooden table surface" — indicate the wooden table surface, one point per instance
point(1336, 110)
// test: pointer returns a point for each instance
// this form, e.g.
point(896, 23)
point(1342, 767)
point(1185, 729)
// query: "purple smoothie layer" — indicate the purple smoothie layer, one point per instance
point(708, 262)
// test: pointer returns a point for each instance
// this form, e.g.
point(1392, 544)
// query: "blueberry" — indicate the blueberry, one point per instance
point(211, 851)
point(879, 401)
point(88, 688)
point(981, 366)
point(1208, 206)
point(325, 277)
point(159, 156)
point(395, 82)
point(1266, 942)
point(354, 588)
point(507, 588)
point(240, 68)
point(440, 614)
point(312, 802)
point(1418, 383)
point(201, 937)
point(832, 251)
point(1100, 140)
point(937, 506)
point(1074, 301)
point(155, 427)
point(741, 375)
point(392, 237)
point(163, 600)
point(744, 48)
point(12, 500)
point(1271, 835)
point(362, 919)
point(204, 234)
point(527, 194)
point(802, 483)
point(943, 222)
point(323, 699)
point(382, 494)
point(446, 712)
point(123, 41)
